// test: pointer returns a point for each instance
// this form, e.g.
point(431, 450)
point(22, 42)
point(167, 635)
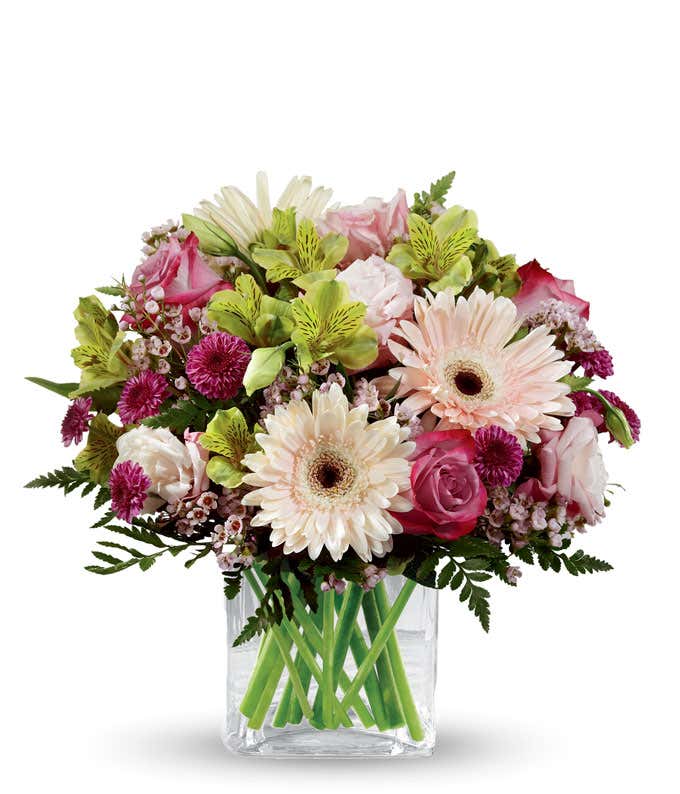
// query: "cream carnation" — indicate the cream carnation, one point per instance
point(175, 469)
point(326, 477)
point(387, 293)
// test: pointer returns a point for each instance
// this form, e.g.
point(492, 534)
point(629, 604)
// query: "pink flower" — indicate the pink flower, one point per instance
point(499, 457)
point(217, 364)
point(142, 396)
point(370, 227)
point(539, 285)
point(76, 421)
point(571, 466)
point(446, 492)
point(199, 462)
point(387, 293)
point(181, 272)
point(129, 486)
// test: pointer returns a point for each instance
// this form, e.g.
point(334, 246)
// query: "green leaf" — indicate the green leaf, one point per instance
point(576, 383)
point(115, 291)
point(64, 389)
point(263, 367)
point(212, 240)
point(423, 201)
point(68, 479)
point(100, 452)
point(197, 556)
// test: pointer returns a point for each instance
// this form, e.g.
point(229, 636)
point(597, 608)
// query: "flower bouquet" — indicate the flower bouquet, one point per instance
point(349, 408)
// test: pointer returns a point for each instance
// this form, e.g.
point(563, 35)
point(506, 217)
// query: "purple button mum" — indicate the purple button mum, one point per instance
point(498, 457)
point(129, 486)
point(142, 396)
point(596, 364)
point(76, 421)
point(217, 364)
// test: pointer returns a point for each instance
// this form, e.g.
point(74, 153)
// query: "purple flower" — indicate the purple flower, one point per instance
point(217, 364)
point(142, 396)
point(588, 405)
point(498, 457)
point(596, 364)
point(76, 421)
point(129, 486)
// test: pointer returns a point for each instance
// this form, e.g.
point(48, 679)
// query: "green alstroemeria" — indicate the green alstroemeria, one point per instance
point(492, 272)
point(246, 311)
point(228, 436)
point(330, 326)
point(102, 351)
point(437, 253)
point(100, 453)
point(297, 252)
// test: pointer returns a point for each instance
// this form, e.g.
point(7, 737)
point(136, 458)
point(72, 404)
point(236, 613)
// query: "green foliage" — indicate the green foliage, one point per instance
point(100, 453)
point(227, 435)
point(246, 311)
point(492, 272)
point(211, 239)
point(68, 479)
point(576, 383)
point(263, 367)
point(437, 254)
point(276, 604)
point(64, 389)
point(329, 325)
point(551, 559)
point(232, 583)
point(194, 413)
point(298, 254)
point(117, 291)
point(423, 201)
point(102, 350)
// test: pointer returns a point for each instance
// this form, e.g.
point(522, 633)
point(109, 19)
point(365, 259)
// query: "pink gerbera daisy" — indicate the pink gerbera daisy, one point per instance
point(142, 396)
point(129, 486)
point(217, 364)
point(76, 421)
point(498, 457)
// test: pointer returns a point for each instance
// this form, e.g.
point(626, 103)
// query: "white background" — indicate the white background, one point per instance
point(561, 122)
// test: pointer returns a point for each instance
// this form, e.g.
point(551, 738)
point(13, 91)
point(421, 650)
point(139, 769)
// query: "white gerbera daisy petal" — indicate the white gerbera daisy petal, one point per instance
point(462, 366)
point(335, 487)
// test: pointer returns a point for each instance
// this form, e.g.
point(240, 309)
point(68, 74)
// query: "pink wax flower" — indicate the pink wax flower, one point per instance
point(129, 486)
point(571, 466)
point(371, 227)
point(217, 364)
point(76, 421)
point(142, 396)
point(446, 492)
point(181, 273)
point(539, 285)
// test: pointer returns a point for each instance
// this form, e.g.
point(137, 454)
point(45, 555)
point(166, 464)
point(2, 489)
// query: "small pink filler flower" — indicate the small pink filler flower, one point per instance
point(76, 421)
point(129, 486)
point(217, 364)
point(142, 396)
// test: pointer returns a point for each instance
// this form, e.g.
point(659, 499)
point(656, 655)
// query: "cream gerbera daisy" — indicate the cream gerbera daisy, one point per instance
point(234, 212)
point(326, 477)
point(463, 367)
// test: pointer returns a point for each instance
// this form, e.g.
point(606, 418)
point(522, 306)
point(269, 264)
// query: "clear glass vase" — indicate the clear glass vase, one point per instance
point(354, 679)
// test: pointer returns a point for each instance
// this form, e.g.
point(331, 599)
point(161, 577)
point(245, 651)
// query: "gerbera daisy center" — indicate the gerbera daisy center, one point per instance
point(330, 474)
point(469, 379)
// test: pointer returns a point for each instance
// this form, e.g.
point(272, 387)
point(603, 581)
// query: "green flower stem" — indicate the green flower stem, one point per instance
point(388, 687)
point(379, 643)
point(403, 689)
point(328, 603)
point(295, 713)
point(265, 661)
point(268, 691)
point(359, 650)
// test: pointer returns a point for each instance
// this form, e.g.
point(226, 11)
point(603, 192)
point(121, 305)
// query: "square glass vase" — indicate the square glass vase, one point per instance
point(356, 678)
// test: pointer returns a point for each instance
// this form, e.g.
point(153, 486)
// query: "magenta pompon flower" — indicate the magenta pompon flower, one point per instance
point(596, 364)
point(142, 396)
point(217, 364)
point(76, 421)
point(498, 456)
point(129, 486)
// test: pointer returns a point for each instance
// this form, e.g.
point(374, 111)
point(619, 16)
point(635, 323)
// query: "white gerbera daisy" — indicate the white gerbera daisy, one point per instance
point(326, 477)
point(234, 212)
point(463, 367)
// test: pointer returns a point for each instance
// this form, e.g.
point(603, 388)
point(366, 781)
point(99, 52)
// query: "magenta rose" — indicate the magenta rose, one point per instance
point(446, 493)
point(181, 272)
point(371, 227)
point(539, 285)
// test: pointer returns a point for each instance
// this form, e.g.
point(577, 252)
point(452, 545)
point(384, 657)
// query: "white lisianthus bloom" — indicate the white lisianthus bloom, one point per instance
point(328, 478)
point(175, 469)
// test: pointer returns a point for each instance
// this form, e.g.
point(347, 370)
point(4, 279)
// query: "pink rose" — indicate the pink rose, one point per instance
point(181, 272)
point(539, 285)
point(572, 466)
point(447, 495)
point(370, 227)
point(387, 293)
